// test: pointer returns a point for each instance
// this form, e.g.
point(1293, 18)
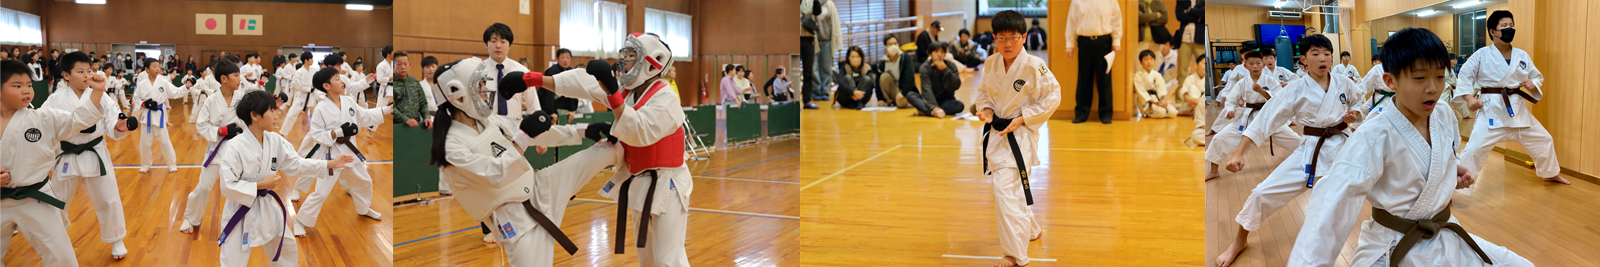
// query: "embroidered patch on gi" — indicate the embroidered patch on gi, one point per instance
point(32, 135)
point(160, 89)
point(496, 149)
point(1017, 85)
point(1522, 64)
point(607, 188)
point(1341, 100)
point(64, 166)
point(352, 112)
point(274, 165)
point(247, 238)
point(507, 232)
point(526, 190)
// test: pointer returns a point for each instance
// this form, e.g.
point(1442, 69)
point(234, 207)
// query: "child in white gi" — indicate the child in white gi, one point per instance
point(1510, 85)
point(1403, 164)
point(1016, 99)
point(152, 92)
point(31, 138)
point(302, 99)
point(1152, 89)
point(1191, 99)
point(84, 158)
point(248, 166)
point(333, 124)
point(1243, 98)
point(215, 122)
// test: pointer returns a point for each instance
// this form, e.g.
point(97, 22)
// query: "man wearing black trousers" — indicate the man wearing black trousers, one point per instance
point(808, 54)
point(1096, 25)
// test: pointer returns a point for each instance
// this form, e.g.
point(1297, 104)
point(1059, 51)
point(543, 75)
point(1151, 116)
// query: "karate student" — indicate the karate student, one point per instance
point(1152, 88)
point(353, 83)
point(333, 123)
point(1344, 67)
point(385, 76)
point(649, 125)
point(1245, 97)
point(251, 71)
point(152, 92)
point(301, 95)
point(203, 87)
point(114, 84)
point(1404, 165)
point(314, 98)
point(248, 166)
point(1510, 84)
point(283, 72)
point(84, 159)
point(1191, 97)
point(1283, 75)
point(1373, 84)
point(497, 39)
point(32, 140)
point(1017, 97)
point(1324, 104)
point(216, 112)
point(480, 155)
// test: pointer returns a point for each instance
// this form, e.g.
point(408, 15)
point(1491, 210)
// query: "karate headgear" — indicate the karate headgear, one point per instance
point(460, 82)
point(653, 58)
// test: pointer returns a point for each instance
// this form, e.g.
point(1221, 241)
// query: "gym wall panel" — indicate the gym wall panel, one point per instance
point(171, 22)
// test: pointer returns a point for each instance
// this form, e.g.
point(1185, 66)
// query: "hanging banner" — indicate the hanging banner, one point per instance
point(210, 24)
point(246, 24)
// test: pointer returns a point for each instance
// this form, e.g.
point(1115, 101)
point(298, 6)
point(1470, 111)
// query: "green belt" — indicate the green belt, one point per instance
point(68, 148)
point(32, 191)
point(1385, 95)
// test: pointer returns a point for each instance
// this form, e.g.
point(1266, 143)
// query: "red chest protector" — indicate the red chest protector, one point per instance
point(665, 153)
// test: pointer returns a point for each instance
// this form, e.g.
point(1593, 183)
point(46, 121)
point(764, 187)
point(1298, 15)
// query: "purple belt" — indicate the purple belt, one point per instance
point(214, 151)
point(239, 216)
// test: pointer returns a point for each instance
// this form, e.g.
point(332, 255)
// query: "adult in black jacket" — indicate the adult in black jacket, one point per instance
point(927, 38)
point(856, 83)
point(940, 79)
point(549, 101)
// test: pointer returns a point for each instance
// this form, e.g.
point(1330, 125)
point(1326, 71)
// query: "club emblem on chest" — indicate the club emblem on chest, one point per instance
point(274, 165)
point(32, 135)
point(352, 112)
point(1522, 64)
point(496, 149)
point(1342, 101)
point(1017, 85)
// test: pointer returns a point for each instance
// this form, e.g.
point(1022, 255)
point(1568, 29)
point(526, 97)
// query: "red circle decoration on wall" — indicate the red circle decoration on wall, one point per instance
point(211, 24)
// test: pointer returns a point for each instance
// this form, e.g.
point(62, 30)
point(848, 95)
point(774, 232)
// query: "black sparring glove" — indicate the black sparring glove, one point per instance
point(536, 123)
point(513, 84)
point(229, 131)
point(133, 123)
point(349, 129)
point(149, 104)
point(283, 97)
point(603, 72)
point(599, 131)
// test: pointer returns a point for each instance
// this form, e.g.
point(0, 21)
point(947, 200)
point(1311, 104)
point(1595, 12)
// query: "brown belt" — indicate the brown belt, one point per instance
point(346, 142)
point(1505, 95)
point(1256, 106)
point(1416, 230)
point(1322, 135)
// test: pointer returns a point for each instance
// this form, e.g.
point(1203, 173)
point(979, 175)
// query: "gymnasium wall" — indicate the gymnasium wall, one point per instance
point(1236, 24)
point(96, 27)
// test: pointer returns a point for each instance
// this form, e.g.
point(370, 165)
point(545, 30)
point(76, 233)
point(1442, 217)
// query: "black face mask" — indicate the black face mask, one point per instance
point(1507, 33)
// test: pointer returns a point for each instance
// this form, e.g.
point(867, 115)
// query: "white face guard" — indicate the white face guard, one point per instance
point(461, 83)
point(644, 56)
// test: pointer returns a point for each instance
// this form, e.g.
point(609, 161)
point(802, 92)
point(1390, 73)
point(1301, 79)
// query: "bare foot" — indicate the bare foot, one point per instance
point(1213, 175)
point(1006, 261)
point(1037, 237)
point(1558, 179)
point(1228, 256)
point(489, 239)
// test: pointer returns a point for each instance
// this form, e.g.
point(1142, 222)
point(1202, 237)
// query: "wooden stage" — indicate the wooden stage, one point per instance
point(153, 206)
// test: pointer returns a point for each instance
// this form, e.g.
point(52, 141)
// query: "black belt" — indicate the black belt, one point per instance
point(551, 227)
point(644, 219)
point(1322, 135)
point(1505, 94)
point(68, 148)
point(1416, 230)
point(997, 124)
point(32, 191)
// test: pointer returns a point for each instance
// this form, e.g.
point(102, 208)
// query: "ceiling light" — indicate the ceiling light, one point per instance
point(1467, 4)
point(1426, 13)
point(92, 2)
point(1280, 3)
point(357, 7)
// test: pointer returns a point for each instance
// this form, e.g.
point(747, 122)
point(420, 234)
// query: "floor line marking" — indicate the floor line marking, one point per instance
point(990, 257)
point(729, 212)
point(852, 166)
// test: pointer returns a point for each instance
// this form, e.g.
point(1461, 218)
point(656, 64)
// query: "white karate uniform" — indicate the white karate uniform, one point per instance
point(1229, 78)
point(1390, 165)
point(285, 76)
point(242, 162)
point(116, 85)
point(32, 139)
point(354, 84)
point(251, 75)
point(92, 169)
point(327, 119)
point(1373, 82)
point(155, 122)
point(1194, 87)
point(1500, 121)
point(1231, 131)
point(482, 165)
point(215, 113)
point(203, 86)
point(1347, 70)
point(1026, 91)
point(1150, 86)
point(300, 97)
point(1305, 103)
point(385, 73)
point(1283, 75)
point(522, 103)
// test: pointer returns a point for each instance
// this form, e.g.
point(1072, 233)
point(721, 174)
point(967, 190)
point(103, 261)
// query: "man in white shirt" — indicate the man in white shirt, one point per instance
point(497, 39)
point(1096, 25)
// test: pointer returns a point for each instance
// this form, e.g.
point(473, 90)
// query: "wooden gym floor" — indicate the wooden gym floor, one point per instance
point(153, 206)
point(1549, 224)
point(889, 189)
point(743, 213)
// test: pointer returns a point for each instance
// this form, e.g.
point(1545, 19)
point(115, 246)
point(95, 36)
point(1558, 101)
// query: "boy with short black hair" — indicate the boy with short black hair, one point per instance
point(215, 122)
point(1403, 164)
point(1240, 101)
point(247, 166)
point(1191, 99)
point(1016, 99)
point(31, 138)
point(302, 97)
point(152, 92)
point(1344, 67)
point(385, 77)
point(1510, 84)
point(335, 121)
point(1152, 88)
point(1323, 104)
point(85, 159)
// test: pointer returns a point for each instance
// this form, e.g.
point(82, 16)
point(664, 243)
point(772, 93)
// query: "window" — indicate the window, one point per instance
point(1471, 32)
point(593, 28)
point(674, 28)
point(17, 28)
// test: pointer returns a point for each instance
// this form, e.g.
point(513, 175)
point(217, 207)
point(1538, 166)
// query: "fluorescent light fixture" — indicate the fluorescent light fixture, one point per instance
point(357, 7)
point(1426, 13)
point(1280, 3)
point(1480, 17)
point(91, 2)
point(1467, 4)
